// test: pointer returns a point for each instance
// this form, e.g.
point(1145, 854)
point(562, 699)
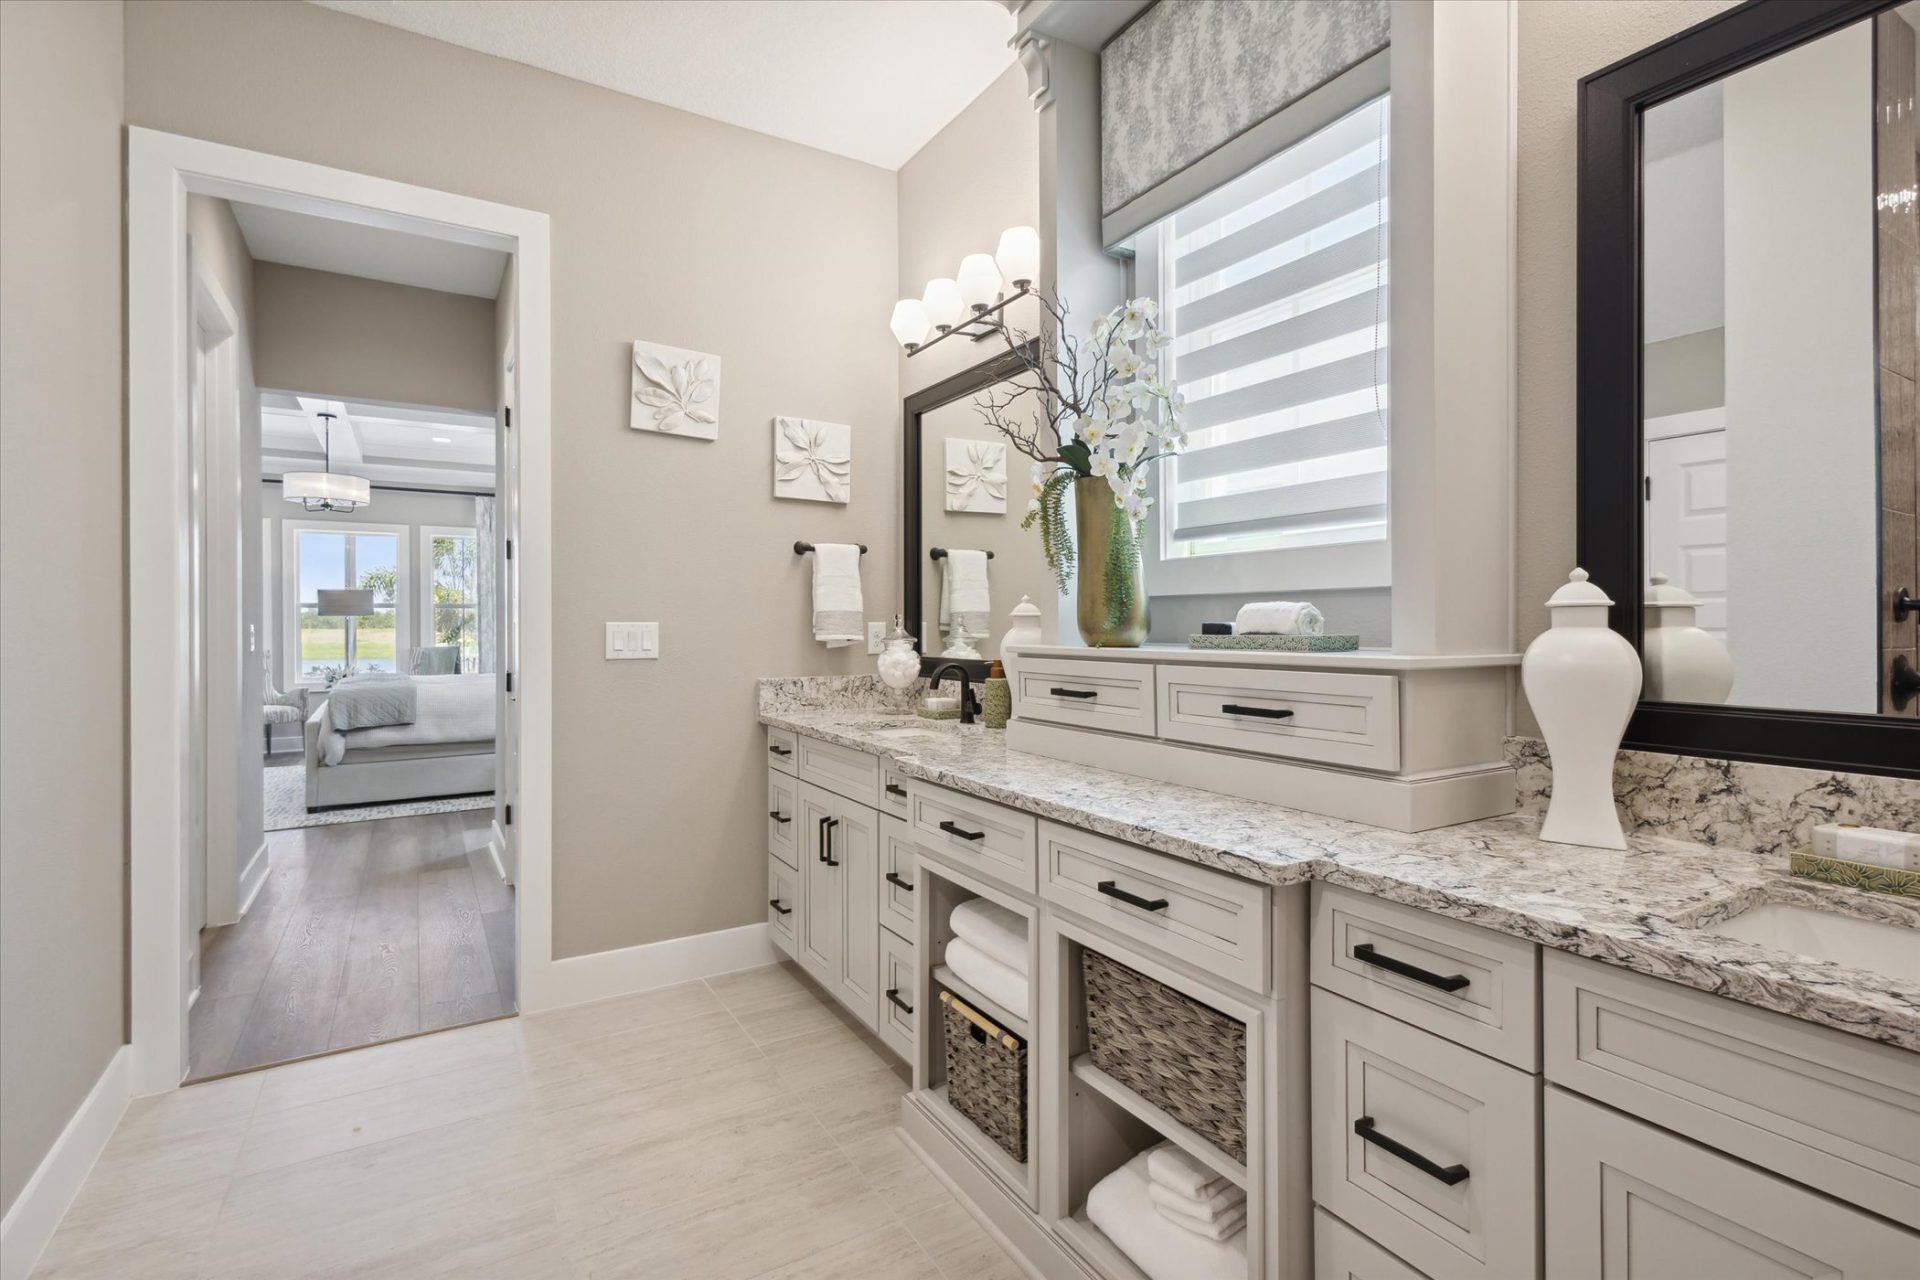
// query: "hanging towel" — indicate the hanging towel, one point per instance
point(964, 600)
point(1179, 1172)
point(1212, 1209)
point(1279, 618)
point(1120, 1207)
point(838, 611)
point(993, 929)
point(993, 980)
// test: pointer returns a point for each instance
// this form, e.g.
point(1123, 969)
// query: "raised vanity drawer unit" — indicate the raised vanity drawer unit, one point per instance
point(1393, 740)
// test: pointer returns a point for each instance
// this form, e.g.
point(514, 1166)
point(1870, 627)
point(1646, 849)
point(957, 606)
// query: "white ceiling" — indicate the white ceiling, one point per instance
point(385, 444)
point(869, 79)
point(375, 253)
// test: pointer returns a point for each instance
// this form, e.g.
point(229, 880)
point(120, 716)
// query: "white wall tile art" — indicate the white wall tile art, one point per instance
point(675, 391)
point(977, 476)
point(812, 461)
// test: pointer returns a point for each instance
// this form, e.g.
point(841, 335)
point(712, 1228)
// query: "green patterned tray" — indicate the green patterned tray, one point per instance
point(1855, 875)
point(1278, 644)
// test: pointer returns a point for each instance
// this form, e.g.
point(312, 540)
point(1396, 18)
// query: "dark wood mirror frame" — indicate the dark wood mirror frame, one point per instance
point(1609, 398)
point(961, 385)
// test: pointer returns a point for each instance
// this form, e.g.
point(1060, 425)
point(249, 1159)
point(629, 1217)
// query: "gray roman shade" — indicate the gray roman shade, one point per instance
point(1197, 92)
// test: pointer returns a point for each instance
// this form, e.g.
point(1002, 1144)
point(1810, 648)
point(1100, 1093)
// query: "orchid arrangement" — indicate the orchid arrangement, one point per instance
point(1102, 412)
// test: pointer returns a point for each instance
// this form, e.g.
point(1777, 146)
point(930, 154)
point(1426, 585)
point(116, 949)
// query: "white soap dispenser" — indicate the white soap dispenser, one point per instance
point(1582, 679)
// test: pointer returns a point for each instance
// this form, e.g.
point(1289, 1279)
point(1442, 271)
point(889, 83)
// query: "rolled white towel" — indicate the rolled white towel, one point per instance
point(1211, 1209)
point(995, 930)
point(993, 980)
point(1120, 1207)
point(1279, 618)
point(1180, 1173)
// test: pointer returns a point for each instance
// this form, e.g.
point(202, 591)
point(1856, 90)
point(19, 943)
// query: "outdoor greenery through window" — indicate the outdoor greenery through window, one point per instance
point(455, 600)
point(329, 560)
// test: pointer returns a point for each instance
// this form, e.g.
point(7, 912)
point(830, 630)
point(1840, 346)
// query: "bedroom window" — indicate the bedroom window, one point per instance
point(330, 557)
point(451, 592)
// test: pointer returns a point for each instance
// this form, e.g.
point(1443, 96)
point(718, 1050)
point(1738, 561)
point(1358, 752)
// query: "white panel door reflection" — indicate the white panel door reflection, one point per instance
point(1686, 521)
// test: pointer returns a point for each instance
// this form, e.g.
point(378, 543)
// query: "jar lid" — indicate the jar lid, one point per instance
point(1664, 595)
point(1025, 609)
point(1578, 592)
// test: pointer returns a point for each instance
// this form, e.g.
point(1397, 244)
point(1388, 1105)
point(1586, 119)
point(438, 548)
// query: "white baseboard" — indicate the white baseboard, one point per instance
point(43, 1202)
point(253, 878)
point(657, 964)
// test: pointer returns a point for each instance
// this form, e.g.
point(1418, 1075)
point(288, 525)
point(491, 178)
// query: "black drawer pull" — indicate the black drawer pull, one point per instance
point(1074, 693)
point(1451, 1174)
point(826, 840)
point(775, 904)
point(893, 994)
point(781, 751)
point(895, 789)
point(779, 817)
point(898, 883)
point(954, 830)
point(1265, 713)
point(1112, 890)
point(1365, 954)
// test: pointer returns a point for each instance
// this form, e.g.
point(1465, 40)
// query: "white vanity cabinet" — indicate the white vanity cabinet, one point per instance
point(838, 939)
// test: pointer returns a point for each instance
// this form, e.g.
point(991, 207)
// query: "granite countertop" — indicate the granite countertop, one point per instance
point(1640, 908)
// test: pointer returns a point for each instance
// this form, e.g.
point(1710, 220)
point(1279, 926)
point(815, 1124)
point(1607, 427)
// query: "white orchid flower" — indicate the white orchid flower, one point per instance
point(1104, 466)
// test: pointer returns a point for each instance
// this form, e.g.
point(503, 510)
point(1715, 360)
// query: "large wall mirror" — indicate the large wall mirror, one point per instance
point(965, 490)
point(1749, 353)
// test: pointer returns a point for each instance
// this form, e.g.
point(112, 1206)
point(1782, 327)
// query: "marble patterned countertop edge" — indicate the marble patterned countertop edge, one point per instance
point(1640, 909)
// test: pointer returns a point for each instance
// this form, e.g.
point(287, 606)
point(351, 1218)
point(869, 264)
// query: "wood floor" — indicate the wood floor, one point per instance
point(734, 1129)
point(363, 933)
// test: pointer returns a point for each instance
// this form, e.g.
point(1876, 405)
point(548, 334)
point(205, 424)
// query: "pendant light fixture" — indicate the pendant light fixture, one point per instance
point(323, 490)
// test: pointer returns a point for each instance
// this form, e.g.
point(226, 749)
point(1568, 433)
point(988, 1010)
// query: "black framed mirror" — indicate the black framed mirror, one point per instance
point(1749, 244)
point(956, 502)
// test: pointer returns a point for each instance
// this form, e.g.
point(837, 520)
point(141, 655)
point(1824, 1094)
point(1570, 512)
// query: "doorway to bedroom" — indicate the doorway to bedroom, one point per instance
point(362, 493)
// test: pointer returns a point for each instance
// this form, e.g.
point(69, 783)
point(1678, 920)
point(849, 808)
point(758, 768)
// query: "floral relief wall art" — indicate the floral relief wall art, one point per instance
point(812, 461)
point(977, 476)
point(675, 391)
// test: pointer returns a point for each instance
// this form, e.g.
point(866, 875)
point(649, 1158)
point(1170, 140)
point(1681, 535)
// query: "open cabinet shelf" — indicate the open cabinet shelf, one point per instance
point(1165, 1125)
point(943, 976)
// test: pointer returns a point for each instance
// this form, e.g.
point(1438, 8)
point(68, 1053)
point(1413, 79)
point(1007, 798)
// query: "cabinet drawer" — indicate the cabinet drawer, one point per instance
point(1411, 964)
point(1428, 1148)
point(896, 994)
point(1096, 695)
point(1328, 717)
point(783, 749)
point(783, 817)
point(1819, 1106)
point(1341, 1253)
point(893, 789)
point(783, 902)
point(1625, 1199)
point(983, 837)
point(897, 884)
point(1215, 921)
point(841, 770)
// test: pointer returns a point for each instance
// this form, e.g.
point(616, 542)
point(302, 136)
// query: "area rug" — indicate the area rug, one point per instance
point(286, 804)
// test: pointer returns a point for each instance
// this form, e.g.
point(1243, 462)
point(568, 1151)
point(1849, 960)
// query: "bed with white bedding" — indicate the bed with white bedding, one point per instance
point(446, 749)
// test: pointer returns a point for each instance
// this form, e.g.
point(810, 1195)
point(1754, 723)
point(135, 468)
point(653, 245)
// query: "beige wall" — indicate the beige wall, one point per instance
point(62, 567)
point(349, 338)
point(667, 227)
point(1560, 41)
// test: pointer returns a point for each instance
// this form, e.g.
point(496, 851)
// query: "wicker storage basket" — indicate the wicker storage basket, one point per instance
point(1182, 1056)
point(986, 1074)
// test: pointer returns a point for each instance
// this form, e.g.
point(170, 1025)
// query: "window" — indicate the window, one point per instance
point(1274, 289)
point(450, 591)
point(333, 556)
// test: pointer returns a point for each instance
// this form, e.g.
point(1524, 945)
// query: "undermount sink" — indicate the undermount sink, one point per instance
point(892, 735)
point(1887, 949)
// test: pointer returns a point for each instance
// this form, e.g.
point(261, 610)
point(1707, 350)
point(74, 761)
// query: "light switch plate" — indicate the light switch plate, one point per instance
point(876, 636)
point(636, 640)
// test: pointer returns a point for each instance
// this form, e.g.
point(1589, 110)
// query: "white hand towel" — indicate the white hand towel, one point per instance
point(991, 978)
point(1211, 1209)
point(839, 613)
point(1224, 1228)
point(964, 599)
point(1179, 1172)
point(1279, 618)
point(993, 929)
point(1120, 1207)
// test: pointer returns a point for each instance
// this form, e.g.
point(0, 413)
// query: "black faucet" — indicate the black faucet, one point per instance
point(967, 704)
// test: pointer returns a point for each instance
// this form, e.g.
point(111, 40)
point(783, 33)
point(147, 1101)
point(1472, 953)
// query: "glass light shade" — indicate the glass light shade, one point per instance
point(350, 603)
point(1019, 255)
point(979, 281)
point(325, 486)
point(909, 323)
point(942, 302)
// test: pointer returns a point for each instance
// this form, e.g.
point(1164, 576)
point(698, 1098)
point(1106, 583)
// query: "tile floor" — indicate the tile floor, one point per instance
point(735, 1128)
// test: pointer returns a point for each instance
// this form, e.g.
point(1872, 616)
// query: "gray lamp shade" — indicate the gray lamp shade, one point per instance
point(341, 604)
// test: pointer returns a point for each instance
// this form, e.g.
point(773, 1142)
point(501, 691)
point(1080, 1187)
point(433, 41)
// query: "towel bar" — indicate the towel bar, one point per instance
point(802, 548)
point(940, 553)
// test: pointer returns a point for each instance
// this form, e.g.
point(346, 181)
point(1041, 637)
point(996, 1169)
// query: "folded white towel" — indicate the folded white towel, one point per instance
point(991, 978)
point(1174, 1169)
point(839, 613)
point(1224, 1228)
point(965, 603)
point(1211, 1209)
point(993, 929)
point(1120, 1207)
point(1279, 618)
